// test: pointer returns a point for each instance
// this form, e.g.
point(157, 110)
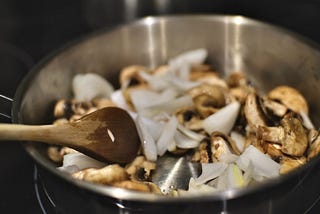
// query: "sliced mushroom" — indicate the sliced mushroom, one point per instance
point(218, 93)
point(207, 105)
point(252, 139)
point(129, 76)
point(290, 134)
point(290, 97)
point(54, 154)
point(236, 79)
point(68, 108)
point(240, 93)
point(102, 103)
point(314, 148)
point(274, 151)
point(223, 146)
point(140, 169)
point(288, 164)
point(275, 108)
point(207, 77)
point(253, 112)
point(138, 186)
point(106, 175)
point(189, 118)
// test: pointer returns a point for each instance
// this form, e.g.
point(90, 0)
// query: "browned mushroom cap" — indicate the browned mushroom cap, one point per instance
point(287, 164)
point(314, 148)
point(217, 92)
point(204, 74)
point(290, 97)
point(290, 134)
point(189, 117)
point(140, 169)
point(130, 76)
point(208, 98)
point(240, 93)
point(207, 105)
point(67, 108)
point(253, 112)
point(106, 175)
point(138, 186)
point(102, 103)
point(54, 154)
point(236, 79)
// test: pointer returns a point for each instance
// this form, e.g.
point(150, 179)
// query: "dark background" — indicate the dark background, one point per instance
point(30, 30)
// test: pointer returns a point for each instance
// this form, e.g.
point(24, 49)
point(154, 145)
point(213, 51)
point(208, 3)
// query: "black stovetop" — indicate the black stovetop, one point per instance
point(29, 30)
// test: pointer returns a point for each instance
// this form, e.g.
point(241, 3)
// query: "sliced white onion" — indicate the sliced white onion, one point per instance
point(185, 142)
point(210, 171)
point(154, 127)
point(172, 145)
point(306, 120)
point(81, 161)
point(181, 84)
point(239, 140)
point(186, 59)
point(167, 135)
point(118, 99)
point(191, 134)
point(143, 98)
point(155, 82)
point(228, 157)
point(222, 181)
point(263, 165)
point(197, 189)
point(172, 106)
point(89, 86)
point(235, 177)
point(148, 142)
point(223, 120)
point(69, 169)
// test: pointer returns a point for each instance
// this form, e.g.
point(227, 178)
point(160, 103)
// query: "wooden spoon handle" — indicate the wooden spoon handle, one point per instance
point(27, 132)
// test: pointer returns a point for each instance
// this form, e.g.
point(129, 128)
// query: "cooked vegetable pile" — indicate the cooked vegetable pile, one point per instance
point(239, 135)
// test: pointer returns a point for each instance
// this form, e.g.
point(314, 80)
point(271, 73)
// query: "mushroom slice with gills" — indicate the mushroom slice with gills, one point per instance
point(314, 147)
point(223, 148)
point(290, 134)
point(290, 97)
point(288, 164)
point(253, 112)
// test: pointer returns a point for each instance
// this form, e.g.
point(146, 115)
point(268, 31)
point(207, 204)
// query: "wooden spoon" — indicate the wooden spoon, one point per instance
point(108, 134)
